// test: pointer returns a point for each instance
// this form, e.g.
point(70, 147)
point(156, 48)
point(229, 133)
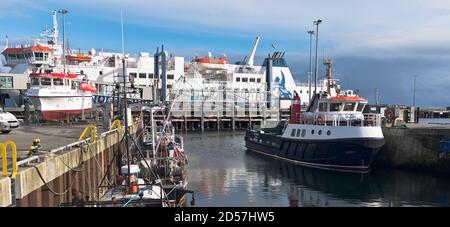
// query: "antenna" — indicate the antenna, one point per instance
point(121, 29)
point(125, 101)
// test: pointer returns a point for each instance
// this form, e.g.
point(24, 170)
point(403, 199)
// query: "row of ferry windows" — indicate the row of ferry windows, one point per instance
point(246, 79)
point(339, 106)
point(302, 132)
point(38, 56)
point(150, 75)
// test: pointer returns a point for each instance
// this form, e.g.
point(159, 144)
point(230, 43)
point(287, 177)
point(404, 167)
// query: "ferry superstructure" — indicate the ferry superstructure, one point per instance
point(251, 85)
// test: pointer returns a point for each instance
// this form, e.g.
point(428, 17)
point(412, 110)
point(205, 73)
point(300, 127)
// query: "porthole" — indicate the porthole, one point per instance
point(328, 132)
point(312, 132)
point(320, 132)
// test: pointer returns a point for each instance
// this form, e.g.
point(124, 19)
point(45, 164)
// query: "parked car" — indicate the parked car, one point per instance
point(7, 121)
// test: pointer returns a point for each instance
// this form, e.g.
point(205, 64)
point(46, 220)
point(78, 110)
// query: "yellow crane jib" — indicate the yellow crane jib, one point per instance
point(115, 124)
point(92, 129)
point(3, 149)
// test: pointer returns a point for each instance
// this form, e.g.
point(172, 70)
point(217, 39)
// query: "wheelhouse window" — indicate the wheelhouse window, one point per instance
point(252, 79)
point(323, 106)
point(46, 81)
point(360, 107)
point(58, 82)
point(238, 79)
point(38, 56)
point(258, 80)
point(74, 85)
point(170, 76)
point(142, 75)
point(334, 107)
point(244, 79)
point(150, 75)
point(35, 81)
point(349, 106)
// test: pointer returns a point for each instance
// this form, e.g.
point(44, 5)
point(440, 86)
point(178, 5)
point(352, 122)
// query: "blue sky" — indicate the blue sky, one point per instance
point(374, 44)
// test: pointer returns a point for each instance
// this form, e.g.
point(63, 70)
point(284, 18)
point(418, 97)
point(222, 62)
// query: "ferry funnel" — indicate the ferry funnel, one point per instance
point(251, 56)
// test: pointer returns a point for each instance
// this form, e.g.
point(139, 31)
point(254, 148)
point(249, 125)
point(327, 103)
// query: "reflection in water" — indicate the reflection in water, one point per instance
point(222, 173)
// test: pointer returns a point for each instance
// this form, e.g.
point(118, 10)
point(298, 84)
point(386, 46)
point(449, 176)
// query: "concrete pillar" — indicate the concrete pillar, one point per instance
point(68, 183)
point(22, 202)
point(218, 122)
point(59, 188)
point(87, 178)
point(47, 195)
point(35, 198)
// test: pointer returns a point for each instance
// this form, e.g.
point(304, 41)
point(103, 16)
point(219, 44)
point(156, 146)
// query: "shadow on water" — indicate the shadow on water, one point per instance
point(222, 173)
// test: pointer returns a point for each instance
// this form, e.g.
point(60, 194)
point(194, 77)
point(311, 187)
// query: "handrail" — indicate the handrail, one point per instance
point(93, 131)
point(3, 148)
point(115, 123)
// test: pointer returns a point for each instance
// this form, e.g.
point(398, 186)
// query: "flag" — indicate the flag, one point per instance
point(273, 45)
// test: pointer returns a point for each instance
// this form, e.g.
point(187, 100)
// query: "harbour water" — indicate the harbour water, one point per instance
point(223, 173)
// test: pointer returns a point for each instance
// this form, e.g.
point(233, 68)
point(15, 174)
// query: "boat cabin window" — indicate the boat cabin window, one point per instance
point(360, 107)
point(258, 80)
point(35, 81)
point(74, 85)
point(252, 79)
point(66, 82)
point(336, 106)
point(58, 82)
point(46, 81)
point(39, 56)
point(349, 106)
point(238, 79)
point(323, 107)
point(244, 79)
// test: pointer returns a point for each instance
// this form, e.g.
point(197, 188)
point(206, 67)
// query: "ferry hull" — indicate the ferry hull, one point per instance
point(352, 154)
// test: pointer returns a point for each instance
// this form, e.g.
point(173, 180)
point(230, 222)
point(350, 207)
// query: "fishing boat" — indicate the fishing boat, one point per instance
point(333, 133)
point(58, 96)
point(164, 151)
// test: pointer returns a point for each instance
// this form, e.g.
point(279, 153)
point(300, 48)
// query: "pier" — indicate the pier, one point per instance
point(418, 147)
point(66, 173)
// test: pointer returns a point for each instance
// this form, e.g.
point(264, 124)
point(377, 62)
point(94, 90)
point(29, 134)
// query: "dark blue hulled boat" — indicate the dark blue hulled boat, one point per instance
point(332, 133)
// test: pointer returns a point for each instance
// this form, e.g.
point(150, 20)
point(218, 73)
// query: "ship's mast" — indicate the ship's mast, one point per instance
point(63, 12)
point(125, 104)
point(54, 35)
point(328, 63)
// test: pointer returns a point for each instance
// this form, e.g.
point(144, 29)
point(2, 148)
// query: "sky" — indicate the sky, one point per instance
point(374, 44)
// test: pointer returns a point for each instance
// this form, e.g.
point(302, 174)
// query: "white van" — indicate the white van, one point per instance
point(7, 122)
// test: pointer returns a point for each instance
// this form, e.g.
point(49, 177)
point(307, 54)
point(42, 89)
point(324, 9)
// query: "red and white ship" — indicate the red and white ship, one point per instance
point(59, 96)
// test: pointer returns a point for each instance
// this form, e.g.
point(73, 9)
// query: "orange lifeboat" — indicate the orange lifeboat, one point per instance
point(78, 57)
point(85, 86)
point(221, 60)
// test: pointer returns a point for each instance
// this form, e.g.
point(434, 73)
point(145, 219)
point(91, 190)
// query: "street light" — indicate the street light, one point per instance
point(311, 33)
point(63, 12)
point(317, 22)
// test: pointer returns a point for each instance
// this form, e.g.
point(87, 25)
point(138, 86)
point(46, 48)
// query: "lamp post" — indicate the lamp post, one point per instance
point(414, 91)
point(63, 12)
point(311, 33)
point(317, 22)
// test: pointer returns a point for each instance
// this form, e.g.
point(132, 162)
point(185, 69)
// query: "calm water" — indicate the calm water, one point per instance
point(222, 173)
point(434, 120)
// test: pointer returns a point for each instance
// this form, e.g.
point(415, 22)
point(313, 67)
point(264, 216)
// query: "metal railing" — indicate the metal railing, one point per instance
point(370, 120)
